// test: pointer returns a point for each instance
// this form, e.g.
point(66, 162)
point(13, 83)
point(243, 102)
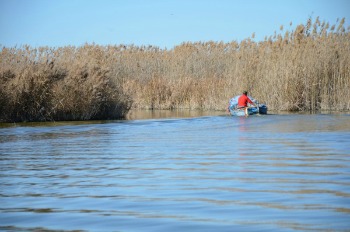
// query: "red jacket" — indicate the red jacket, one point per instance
point(243, 101)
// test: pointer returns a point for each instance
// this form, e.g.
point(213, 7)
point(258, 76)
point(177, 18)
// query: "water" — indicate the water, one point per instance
point(202, 173)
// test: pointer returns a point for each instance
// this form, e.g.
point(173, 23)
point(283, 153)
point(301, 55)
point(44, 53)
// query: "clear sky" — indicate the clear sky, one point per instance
point(162, 23)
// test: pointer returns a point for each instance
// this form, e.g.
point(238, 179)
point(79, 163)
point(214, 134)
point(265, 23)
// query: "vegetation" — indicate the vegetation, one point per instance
point(60, 84)
point(306, 69)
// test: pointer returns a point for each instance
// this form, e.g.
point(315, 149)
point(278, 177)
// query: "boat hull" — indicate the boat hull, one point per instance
point(251, 111)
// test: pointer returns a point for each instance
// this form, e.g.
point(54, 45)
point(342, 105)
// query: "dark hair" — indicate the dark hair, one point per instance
point(245, 92)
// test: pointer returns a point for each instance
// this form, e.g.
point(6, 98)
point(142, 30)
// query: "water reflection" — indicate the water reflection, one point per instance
point(161, 114)
point(272, 173)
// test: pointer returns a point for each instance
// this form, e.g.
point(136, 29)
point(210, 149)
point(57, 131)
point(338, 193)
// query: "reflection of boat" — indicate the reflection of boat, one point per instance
point(235, 111)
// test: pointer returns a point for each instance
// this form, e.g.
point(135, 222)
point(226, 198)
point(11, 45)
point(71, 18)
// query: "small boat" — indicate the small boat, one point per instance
point(235, 111)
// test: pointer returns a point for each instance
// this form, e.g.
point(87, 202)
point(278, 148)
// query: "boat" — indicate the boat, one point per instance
point(252, 110)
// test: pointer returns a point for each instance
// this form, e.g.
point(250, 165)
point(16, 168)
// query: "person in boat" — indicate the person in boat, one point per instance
point(243, 102)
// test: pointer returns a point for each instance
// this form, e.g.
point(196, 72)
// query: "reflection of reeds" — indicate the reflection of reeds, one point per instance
point(302, 69)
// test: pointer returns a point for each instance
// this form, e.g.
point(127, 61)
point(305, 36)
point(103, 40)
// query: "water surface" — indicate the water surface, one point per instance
point(204, 173)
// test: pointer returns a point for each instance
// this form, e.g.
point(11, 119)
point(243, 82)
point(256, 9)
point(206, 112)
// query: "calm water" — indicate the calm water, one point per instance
point(203, 173)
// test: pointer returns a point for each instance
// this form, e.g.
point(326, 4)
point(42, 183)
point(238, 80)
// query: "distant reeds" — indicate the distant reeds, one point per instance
point(305, 69)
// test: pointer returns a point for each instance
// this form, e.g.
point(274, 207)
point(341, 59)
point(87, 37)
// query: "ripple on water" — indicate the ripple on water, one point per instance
point(274, 172)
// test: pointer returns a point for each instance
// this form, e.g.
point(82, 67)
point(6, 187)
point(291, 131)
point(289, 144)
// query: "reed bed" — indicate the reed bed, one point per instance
point(301, 69)
point(60, 84)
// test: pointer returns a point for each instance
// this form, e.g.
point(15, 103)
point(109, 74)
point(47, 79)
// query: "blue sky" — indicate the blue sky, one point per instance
point(162, 23)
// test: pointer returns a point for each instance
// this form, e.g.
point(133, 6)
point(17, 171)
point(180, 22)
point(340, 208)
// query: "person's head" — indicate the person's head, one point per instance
point(245, 92)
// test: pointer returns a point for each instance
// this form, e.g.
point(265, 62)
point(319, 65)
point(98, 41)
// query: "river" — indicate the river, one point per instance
point(180, 172)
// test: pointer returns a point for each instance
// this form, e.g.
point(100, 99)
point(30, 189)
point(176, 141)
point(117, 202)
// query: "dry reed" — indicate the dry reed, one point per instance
point(306, 69)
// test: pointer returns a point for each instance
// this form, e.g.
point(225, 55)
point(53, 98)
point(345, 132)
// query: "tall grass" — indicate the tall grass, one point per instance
point(301, 69)
point(60, 84)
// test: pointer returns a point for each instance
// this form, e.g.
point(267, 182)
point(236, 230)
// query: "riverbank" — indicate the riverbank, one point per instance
point(305, 68)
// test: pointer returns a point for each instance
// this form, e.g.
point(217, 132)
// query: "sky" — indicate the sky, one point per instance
point(161, 23)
